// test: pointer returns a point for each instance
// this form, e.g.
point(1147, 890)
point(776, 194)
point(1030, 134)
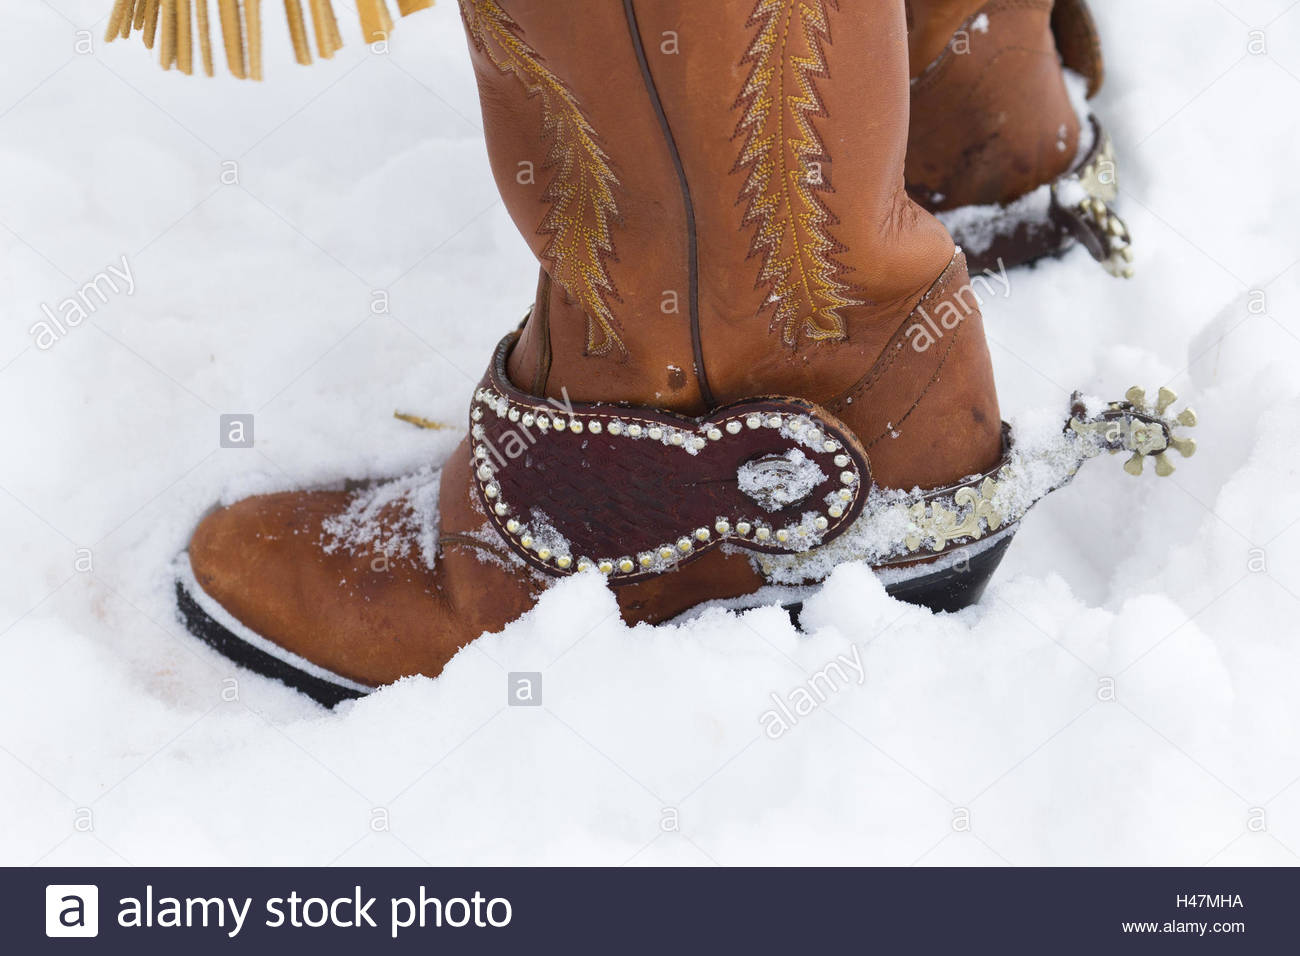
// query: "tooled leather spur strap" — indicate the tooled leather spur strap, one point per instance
point(635, 492)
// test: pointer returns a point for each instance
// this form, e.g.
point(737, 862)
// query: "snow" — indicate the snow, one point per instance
point(1124, 694)
point(389, 519)
point(779, 481)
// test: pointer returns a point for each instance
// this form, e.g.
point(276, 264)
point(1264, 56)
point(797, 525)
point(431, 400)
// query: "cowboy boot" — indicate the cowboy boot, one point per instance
point(1002, 145)
point(751, 357)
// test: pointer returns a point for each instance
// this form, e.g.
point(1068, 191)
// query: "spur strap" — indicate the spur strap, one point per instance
point(635, 491)
point(1081, 206)
point(902, 528)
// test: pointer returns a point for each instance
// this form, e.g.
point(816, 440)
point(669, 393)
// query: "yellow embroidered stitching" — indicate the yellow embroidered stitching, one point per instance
point(784, 184)
point(581, 193)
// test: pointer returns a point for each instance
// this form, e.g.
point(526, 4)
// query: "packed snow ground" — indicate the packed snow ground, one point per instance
point(1126, 693)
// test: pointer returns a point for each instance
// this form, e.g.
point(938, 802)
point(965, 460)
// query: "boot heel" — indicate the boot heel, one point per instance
point(957, 585)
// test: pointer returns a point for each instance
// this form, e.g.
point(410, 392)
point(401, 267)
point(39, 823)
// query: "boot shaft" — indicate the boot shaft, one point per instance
point(930, 26)
point(991, 117)
point(715, 191)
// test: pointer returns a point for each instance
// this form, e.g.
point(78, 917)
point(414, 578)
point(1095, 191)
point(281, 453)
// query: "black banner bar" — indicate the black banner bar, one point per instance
point(651, 911)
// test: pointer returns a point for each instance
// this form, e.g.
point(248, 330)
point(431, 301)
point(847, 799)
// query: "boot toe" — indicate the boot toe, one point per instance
point(268, 562)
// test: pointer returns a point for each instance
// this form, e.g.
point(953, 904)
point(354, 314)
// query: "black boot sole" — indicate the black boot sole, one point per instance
point(221, 639)
point(949, 589)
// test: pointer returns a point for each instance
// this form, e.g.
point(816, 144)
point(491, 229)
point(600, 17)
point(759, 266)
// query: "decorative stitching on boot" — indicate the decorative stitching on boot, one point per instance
point(456, 539)
point(580, 195)
point(785, 171)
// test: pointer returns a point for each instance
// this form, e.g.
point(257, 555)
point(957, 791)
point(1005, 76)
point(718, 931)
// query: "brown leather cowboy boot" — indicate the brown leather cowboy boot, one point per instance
point(1002, 144)
point(751, 357)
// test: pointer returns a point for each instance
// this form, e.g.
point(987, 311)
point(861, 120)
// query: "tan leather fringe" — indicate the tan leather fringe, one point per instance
point(298, 31)
point(328, 38)
point(184, 39)
point(168, 33)
point(150, 23)
point(241, 29)
point(376, 23)
point(253, 37)
point(205, 34)
point(121, 8)
point(232, 31)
